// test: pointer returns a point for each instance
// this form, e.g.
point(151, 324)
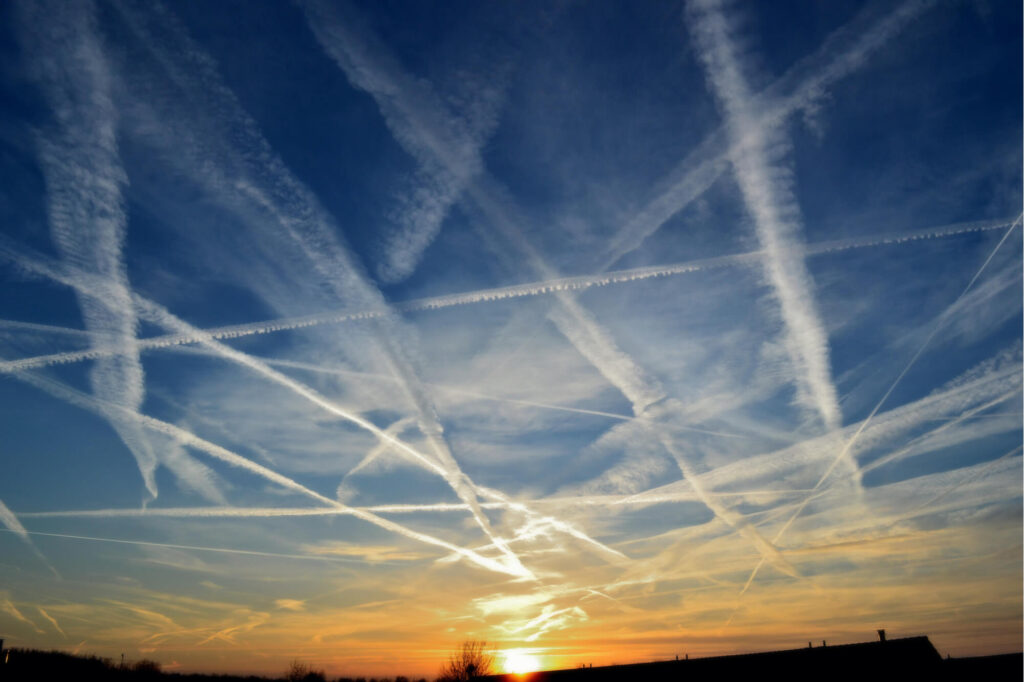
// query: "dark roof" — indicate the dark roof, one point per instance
point(871, 661)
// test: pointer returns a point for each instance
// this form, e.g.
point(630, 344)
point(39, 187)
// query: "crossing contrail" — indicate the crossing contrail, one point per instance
point(81, 162)
point(159, 315)
point(541, 288)
point(220, 453)
point(799, 88)
point(766, 186)
point(844, 452)
point(299, 217)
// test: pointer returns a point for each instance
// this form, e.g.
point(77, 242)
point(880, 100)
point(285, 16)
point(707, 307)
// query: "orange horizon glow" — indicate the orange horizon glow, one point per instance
point(520, 661)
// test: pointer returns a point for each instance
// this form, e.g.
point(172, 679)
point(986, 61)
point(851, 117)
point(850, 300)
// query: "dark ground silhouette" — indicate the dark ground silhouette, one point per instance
point(905, 660)
point(30, 665)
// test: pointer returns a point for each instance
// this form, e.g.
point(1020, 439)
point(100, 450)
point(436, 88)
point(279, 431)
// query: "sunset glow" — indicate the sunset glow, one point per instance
point(520, 661)
point(348, 332)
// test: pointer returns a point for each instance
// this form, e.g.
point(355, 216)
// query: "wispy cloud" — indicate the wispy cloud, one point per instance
point(7, 607)
point(51, 620)
point(371, 553)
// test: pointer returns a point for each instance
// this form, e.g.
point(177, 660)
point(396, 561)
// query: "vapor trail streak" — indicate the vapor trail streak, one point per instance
point(765, 185)
point(440, 185)
point(12, 525)
point(420, 129)
point(542, 288)
point(394, 429)
point(44, 328)
point(882, 461)
point(938, 325)
point(52, 620)
point(864, 424)
point(189, 439)
point(161, 316)
point(959, 484)
point(310, 367)
point(84, 176)
point(273, 512)
point(297, 213)
point(223, 550)
point(803, 84)
point(8, 607)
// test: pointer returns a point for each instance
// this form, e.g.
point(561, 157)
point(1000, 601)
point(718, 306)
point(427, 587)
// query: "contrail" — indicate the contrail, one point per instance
point(53, 621)
point(803, 84)
point(641, 499)
point(938, 325)
point(84, 177)
point(978, 394)
point(864, 424)
point(978, 473)
point(270, 185)
point(8, 607)
point(199, 548)
point(417, 131)
point(541, 288)
point(577, 410)
point(12, 524)
point(438, 186)
point(766, 187)
point(191, 440)
point(989, 390)
point(44, 329)
point(382, 446)
point(161, 316)
point(558, 524)
point(646, 395)
point(952, 422)
point(311, 367)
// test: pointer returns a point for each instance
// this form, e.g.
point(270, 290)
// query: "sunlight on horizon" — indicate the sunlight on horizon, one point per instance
point(520, 661)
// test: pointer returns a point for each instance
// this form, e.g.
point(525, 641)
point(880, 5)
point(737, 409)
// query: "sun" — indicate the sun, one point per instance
point(519, 661)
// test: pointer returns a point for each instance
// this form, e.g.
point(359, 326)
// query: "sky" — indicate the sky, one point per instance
point(603, 332)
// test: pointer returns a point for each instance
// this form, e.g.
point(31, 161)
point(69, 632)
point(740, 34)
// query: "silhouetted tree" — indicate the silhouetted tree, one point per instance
point(471, 659)
point(146, 668)
point(303, 672)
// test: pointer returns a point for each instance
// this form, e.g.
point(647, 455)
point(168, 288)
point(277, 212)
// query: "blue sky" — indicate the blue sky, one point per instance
point(597, 331)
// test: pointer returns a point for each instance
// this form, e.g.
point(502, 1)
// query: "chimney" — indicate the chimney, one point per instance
point(881, 635)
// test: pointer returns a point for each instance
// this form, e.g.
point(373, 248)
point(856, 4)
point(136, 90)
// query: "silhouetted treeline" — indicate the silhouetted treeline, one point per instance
point(30, 665)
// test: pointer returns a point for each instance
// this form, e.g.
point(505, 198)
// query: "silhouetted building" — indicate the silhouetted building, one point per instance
point(907, 659)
